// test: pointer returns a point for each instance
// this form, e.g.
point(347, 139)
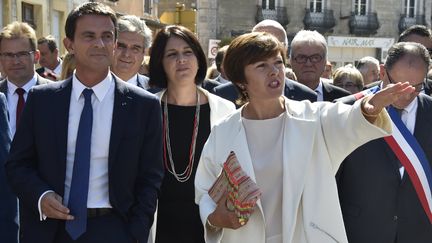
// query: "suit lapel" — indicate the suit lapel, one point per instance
point(391, 158)
point(3, 87)
point(422, 126)
point(61, 108)
point(326, 89)
point(422, 123)
point(241, 149)
point(289, 90)
point(119, 119)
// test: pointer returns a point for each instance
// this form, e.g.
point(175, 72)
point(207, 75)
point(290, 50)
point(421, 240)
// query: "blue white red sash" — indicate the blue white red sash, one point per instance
point(410, 154)
point(413, 158)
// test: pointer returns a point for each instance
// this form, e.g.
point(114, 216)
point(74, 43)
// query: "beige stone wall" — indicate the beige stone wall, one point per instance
point(230, 17)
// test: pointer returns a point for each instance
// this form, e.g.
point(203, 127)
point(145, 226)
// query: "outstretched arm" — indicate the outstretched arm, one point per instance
point(372, 105)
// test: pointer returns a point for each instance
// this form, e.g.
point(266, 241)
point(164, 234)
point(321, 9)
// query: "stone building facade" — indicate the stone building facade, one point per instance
point(353, 28)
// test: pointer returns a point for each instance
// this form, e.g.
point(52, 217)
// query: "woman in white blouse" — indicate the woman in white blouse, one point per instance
point(291, 149)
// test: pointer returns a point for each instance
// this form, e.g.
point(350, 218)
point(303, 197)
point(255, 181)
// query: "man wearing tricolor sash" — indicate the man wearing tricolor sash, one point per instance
point(385, 185)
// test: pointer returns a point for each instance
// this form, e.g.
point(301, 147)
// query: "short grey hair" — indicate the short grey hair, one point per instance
point(131, 23)
point(364, 62)
point(310, 37)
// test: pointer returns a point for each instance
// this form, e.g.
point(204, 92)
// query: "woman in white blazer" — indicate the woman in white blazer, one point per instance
point(178, 66)
point(291, 149)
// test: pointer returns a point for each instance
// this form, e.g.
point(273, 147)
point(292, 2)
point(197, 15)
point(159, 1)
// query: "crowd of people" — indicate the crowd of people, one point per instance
point(106, 144)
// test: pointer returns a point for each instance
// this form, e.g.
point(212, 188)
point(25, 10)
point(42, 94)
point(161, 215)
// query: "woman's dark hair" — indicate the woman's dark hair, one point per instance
point(248, 49)
point(157, 73)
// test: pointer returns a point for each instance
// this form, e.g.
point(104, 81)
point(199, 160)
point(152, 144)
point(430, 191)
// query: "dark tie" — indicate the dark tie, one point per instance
point(80, 175)
point(20, 105)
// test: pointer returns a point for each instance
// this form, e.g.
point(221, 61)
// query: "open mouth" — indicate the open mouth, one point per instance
point(274, 84)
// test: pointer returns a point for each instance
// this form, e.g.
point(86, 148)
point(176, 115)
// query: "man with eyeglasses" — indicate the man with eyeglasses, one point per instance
point(377, 193)
point(293, 89)
point(308, 59)
point(134, 38)
point(18, 56)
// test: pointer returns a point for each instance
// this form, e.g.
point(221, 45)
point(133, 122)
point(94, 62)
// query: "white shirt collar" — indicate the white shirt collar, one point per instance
point(57, 69)
point(319, 88)
point(222, 80)
point(12, 87)
point(413, 105)
point(133, 80)
point(100, 89)
point(319, 91)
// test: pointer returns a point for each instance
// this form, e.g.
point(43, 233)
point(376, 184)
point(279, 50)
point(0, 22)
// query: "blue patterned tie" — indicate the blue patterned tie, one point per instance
point(81, 169)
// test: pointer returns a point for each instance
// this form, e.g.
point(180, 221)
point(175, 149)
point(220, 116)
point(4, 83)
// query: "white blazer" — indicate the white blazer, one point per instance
point(219, 109)
point(317, 137)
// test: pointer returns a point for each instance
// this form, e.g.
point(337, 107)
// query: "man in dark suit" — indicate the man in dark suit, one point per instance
point(89, 169)
point(8, 201)
point(308, 58)
point(133, 39)
point(18, 56)
point(293, 90)
point(378, 200)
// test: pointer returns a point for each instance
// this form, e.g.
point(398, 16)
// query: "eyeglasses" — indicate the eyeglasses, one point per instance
point(315, 58)
point(22, 55)
point(134, 49)
point(417, 87)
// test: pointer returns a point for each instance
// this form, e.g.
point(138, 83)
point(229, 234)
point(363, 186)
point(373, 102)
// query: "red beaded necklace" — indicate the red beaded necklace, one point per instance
point(186, 174)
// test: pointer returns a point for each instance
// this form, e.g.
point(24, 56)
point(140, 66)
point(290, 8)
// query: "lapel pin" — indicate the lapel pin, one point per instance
point(123, 103)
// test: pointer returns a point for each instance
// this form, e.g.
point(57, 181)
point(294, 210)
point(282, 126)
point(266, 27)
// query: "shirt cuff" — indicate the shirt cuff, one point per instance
point(42, 216)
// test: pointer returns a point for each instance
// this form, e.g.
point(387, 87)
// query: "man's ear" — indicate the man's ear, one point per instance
point(382, 71)
point(68, 45)
point(36, 56)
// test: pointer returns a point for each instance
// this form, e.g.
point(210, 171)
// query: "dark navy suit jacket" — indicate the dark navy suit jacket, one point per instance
point(37, 160)
point(377, 204)
point(332, 92)
point(293, 90)
point(8, 201)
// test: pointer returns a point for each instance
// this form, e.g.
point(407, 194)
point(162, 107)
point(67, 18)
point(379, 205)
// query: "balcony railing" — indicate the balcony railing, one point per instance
point(405, 21)
point(364, 25)
point(322, 22)
point(278, 14)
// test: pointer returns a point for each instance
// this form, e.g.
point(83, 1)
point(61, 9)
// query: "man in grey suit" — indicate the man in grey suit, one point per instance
point(133, 39)
point(18, 56)
point(378, 200)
